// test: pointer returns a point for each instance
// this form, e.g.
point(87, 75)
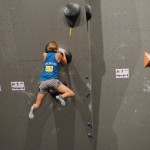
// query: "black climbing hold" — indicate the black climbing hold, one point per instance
point(88, 12)
point(89, 125)
point(71, 12)
point(68, 55)
point(88, 94)
point(53, 92)
point(86, 77)
point(90, 136)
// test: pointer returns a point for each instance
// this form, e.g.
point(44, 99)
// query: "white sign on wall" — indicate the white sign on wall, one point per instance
point(122, 73)
point(17, 86)
point(0, 88)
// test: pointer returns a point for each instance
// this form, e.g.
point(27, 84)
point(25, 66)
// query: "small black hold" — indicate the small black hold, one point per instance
point(53, 92)
point(88, 94)
point(88, 12)
point(89, 135)
point(89, 125)
point(86, 77)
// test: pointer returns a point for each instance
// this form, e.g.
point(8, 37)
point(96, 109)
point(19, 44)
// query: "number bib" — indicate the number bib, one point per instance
point(49, 68)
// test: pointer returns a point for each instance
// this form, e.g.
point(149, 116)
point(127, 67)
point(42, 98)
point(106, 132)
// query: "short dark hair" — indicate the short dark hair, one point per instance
point(53, 47)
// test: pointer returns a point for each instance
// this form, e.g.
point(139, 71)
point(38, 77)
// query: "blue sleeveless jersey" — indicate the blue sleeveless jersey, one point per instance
point(51, 66)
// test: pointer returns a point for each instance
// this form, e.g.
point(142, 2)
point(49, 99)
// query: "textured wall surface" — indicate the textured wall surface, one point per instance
point(124, 120)
point(25, 28)
point(118, 109)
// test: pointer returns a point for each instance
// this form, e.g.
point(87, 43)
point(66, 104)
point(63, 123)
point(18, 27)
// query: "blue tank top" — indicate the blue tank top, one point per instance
point(51, 66)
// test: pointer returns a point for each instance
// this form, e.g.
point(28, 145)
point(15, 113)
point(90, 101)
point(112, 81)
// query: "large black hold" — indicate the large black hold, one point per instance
point(88, 12)
point(71, 12)
point(68, 55)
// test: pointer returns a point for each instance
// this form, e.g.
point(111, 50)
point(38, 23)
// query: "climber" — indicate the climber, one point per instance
point(52, 59)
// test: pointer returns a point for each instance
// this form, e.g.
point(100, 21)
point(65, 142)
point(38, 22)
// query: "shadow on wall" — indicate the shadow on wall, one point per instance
point(98, 69)
point(64, 116)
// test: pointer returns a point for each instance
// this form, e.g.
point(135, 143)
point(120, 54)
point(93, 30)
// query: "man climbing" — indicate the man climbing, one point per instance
point(49, 78)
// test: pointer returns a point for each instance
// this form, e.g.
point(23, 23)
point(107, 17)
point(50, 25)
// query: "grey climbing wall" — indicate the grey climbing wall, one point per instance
point(117, 108)
point(122, 121)
point(25, 28)
point(97, 63)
